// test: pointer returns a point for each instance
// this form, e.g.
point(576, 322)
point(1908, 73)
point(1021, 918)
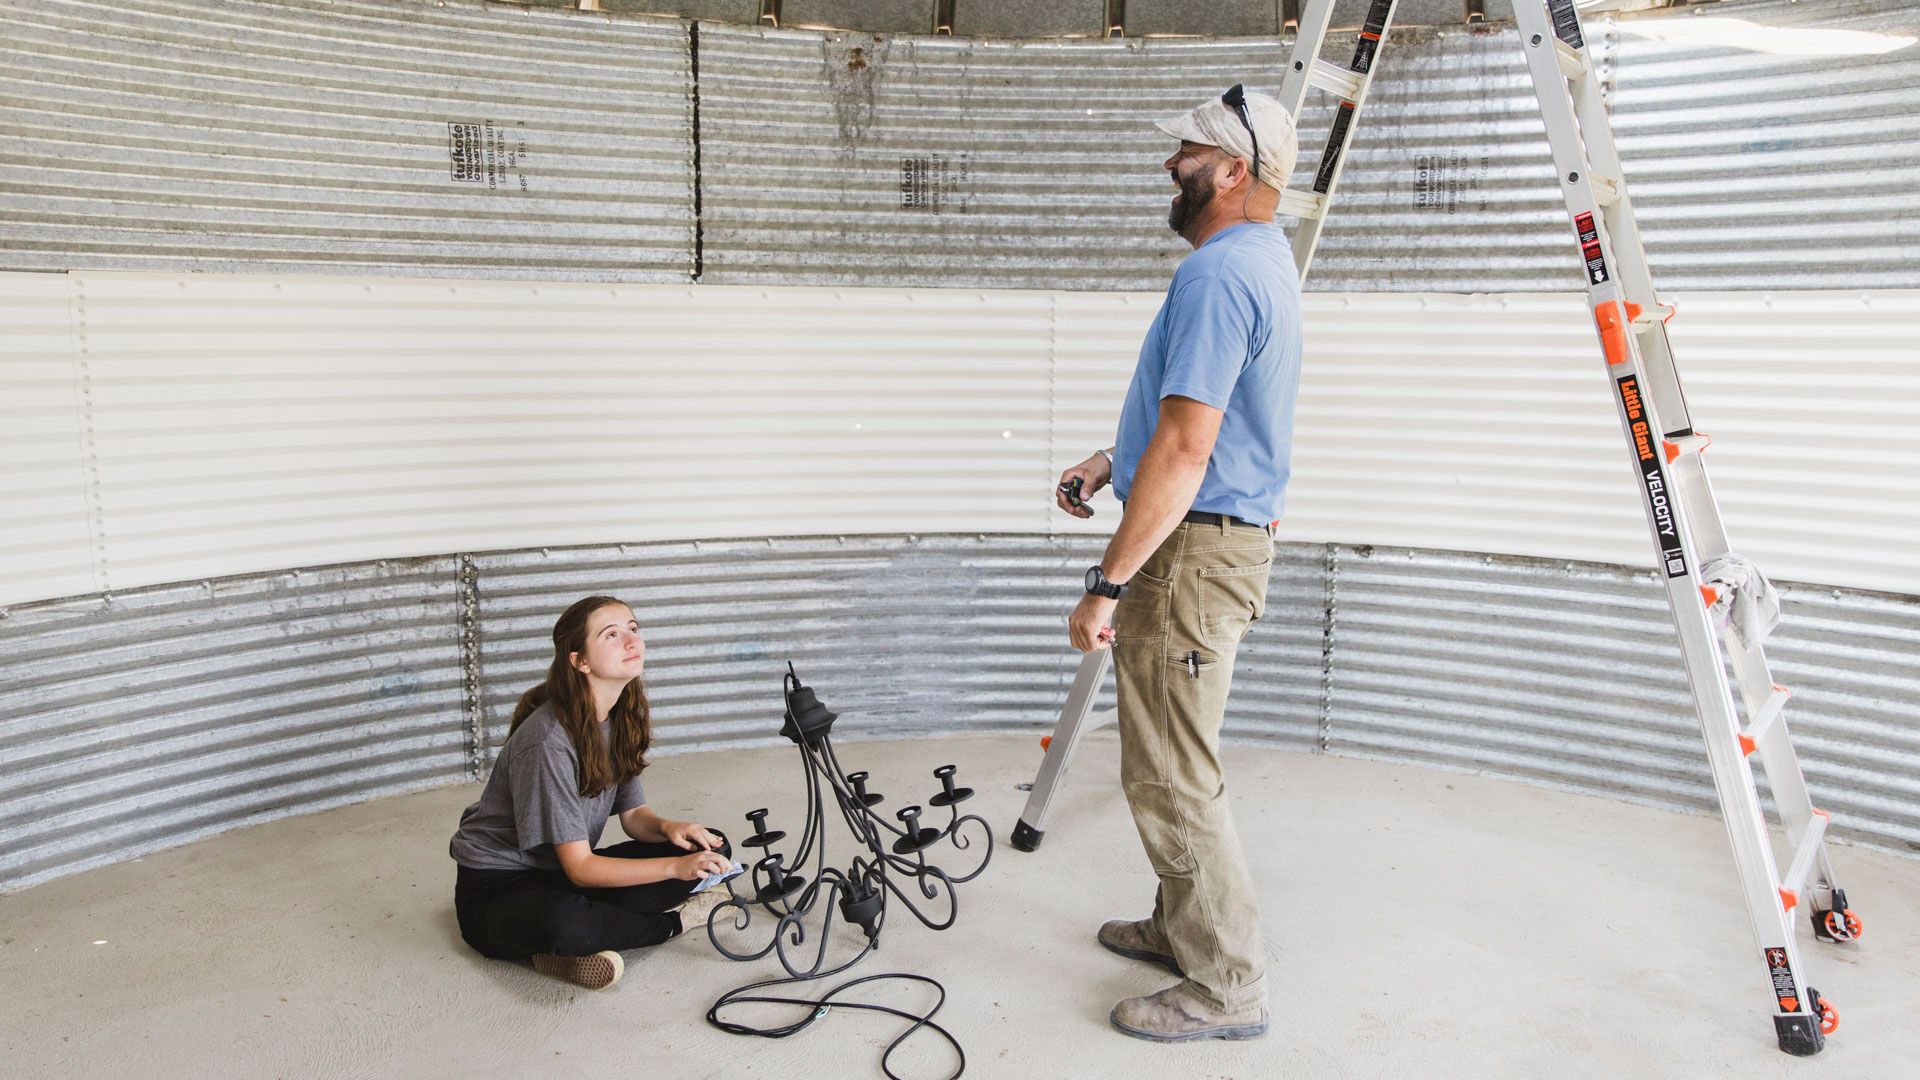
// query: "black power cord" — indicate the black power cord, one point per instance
point(819, 1007)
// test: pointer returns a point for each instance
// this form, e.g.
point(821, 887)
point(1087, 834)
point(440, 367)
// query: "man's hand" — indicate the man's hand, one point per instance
point(689, 835)
point(1090, 626)
point(1094, 473)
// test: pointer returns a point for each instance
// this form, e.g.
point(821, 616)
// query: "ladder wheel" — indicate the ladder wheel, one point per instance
point(1829, 1016)
point(1844, 925)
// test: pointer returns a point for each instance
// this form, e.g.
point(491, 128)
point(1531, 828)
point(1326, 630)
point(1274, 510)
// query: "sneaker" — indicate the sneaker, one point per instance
point(1139, 941)
point(596, 972)
point(1177, 1014)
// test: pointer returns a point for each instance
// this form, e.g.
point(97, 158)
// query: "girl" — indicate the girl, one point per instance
point(530, 883)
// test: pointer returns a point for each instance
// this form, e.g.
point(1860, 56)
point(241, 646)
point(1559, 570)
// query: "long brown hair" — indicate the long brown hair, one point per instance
point(567, 690)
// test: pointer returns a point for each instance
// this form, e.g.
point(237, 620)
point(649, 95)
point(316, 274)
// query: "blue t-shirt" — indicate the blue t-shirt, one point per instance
point(1228, 336)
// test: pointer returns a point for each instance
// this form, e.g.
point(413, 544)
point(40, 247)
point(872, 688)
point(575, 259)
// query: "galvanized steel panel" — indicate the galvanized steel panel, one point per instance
point(902, 636)
point(1562, 673)
point(1280, 677)
point(1773, 145)
point(251, 698)
point(944, 161)
point(1570, 674)
point(345, 136)
point(1852, 660)
point(1035, 165)
point(47, 541)
point(146, 719)
point(937, 161)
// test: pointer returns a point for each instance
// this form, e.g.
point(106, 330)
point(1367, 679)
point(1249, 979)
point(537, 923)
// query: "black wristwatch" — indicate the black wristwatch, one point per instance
point(1098, 584)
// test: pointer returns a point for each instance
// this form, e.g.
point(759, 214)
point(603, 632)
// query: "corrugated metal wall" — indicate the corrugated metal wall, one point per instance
point(934, 634)
point(47, 538)
point(161, 429)
point(367, 136)
point(1786, 163)
point(249, 698)
point(155, 134)
point(240, 424)
point(146, 719)
point(850, 159)
point(1570, 674)
point(846, 159)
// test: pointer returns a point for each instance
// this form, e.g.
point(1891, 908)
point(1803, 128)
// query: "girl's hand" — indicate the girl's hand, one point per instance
point(699, 864)
point(689, 835)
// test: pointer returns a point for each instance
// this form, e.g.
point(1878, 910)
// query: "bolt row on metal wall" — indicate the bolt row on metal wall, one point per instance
point(160, 715)
point(490, 142)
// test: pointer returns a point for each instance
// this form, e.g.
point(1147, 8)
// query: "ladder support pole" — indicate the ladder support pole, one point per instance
point(1032, 826)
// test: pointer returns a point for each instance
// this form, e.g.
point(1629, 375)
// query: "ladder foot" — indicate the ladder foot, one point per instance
point(1026, 837)
point(1837, 923)
point(1799, 1034)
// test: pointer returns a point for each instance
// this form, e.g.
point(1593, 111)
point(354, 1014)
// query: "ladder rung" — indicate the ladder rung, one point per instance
point(1606, 189)
point(1646, 316)
point(1573, 62)
point(1335, 79)
point(1803, 857)
point(1770, 714)
point(1302, 204)
point(1686, 444)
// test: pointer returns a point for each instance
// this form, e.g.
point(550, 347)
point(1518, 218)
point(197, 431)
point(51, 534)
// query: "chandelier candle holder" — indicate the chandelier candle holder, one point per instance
point(801, 894)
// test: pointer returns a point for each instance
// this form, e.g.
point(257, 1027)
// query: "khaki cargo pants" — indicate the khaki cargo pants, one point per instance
point(1176, 632)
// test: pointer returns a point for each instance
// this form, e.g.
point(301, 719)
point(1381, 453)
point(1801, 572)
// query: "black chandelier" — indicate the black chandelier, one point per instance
point(797, 895)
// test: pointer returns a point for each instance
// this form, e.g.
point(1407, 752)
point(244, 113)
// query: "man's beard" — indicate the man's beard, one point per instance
point(1196, 191)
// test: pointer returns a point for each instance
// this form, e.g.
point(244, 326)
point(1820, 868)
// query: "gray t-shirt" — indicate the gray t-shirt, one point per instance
point(532, 802)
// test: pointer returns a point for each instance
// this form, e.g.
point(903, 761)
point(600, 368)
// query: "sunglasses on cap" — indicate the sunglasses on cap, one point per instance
point(1236, 99)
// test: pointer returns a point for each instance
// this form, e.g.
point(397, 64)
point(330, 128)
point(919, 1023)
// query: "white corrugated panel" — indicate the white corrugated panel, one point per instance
point(46, 535)
point(246, 424)
point(1482, 425)
point(252, 423)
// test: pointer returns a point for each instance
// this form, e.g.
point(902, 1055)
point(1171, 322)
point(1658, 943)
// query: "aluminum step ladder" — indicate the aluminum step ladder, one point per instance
point(1665, 452)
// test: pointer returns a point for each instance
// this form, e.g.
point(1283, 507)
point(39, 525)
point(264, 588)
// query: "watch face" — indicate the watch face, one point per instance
point(1093, 578)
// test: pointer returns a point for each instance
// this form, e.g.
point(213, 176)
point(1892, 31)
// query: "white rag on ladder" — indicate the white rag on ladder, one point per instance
point(1747, 606)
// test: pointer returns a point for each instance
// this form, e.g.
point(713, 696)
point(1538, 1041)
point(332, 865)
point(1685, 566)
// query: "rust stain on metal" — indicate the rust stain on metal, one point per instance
point(853, 66)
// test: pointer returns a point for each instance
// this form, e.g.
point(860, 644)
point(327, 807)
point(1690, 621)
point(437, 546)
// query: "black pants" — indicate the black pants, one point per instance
point(514, 914)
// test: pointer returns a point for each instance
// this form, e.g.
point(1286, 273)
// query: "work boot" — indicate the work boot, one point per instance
point(596, 972)
point(1139, 941)
point(1177, 1014)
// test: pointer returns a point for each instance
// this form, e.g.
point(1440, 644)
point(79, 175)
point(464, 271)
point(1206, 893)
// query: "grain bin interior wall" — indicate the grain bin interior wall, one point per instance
point(144, 719)
point(251, 698)
point(842, 158)
point(355, 136)
point(156, 135)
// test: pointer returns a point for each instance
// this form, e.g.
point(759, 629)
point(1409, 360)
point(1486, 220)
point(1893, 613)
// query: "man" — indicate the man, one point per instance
point(1200, 466)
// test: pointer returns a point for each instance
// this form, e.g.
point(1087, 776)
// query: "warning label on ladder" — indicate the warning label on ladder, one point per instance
point(1784, 989)
point(1673, 556)
point(1566, 22)
point(1590, 248)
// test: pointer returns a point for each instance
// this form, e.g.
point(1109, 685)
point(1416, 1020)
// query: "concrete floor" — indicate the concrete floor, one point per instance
point(1419, 924)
